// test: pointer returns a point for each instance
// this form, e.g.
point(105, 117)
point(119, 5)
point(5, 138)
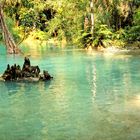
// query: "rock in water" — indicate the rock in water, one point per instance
point(28, 73)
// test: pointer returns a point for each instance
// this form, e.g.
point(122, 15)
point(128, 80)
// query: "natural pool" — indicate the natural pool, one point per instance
point(92, 97)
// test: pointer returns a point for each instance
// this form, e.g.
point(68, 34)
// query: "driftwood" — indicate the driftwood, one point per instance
point(27, 73)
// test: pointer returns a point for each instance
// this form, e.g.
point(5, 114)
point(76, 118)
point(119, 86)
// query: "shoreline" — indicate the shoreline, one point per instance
point(125, 50)
point(132, 48)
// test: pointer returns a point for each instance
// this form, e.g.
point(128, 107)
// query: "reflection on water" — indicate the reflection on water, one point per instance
point(92, 97)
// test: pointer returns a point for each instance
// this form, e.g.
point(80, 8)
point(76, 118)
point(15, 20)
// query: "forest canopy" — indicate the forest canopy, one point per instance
point(80, 22)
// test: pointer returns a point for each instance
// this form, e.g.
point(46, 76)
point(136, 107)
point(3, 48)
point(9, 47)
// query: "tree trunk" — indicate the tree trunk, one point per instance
point(8, 39)
point(92, 17)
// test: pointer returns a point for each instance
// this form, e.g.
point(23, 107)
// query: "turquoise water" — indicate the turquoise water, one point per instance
point(92, 97)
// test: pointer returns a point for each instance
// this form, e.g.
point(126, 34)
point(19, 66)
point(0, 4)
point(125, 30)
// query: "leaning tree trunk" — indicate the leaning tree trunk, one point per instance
point(8, 39)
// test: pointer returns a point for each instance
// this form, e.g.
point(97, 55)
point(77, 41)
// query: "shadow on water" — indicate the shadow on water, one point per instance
point(23, 87)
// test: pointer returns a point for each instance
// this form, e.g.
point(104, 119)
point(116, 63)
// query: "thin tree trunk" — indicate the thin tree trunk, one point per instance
point(8, 39)
point(92, 17)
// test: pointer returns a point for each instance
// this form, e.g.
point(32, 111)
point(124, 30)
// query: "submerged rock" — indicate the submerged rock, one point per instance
point(27, 73)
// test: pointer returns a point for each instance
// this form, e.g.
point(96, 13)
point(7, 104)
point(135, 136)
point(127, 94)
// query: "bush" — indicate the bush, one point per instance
point(133, 33)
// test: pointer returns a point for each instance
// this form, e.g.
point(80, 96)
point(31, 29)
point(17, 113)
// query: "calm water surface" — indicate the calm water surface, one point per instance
point(92, 97)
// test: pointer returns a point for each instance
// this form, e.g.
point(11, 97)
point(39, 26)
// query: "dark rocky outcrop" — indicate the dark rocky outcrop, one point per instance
point(27, 73)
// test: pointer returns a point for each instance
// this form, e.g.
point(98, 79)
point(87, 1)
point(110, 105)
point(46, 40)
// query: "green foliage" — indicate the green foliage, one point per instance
point(113, 20)
point(119, 35)
point(27, 18)
point(67, 22)
point(13, 31)
point(104, 31)
point(100, 32)
point(133, 33)
point(40, 35)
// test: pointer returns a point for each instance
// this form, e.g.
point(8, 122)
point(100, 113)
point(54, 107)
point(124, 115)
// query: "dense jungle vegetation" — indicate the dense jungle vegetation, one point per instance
point(81, 22)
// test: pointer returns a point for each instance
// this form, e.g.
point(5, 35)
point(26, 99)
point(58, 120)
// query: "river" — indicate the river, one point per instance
point(93, 96)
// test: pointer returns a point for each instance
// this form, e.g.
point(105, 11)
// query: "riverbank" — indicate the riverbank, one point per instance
point(35, 45)
point(127, 48)
point(123, 51)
